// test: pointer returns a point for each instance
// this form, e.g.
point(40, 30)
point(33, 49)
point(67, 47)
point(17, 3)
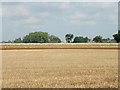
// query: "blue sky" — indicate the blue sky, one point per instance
point(59, 18)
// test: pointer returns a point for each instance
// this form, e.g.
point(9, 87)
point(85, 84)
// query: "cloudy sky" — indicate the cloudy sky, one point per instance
point(58, 18)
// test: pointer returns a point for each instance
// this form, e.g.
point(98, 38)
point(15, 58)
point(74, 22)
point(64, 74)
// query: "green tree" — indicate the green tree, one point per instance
point(79, 39)
point(54, 39)
point(106, 40)
point(18, 40)
point(97, 39)
point(117, 37)
point(69, 37)
point(9, 41)
point(36, 37)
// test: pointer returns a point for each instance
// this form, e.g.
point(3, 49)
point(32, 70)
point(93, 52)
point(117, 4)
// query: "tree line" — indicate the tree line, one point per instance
point(44, 37)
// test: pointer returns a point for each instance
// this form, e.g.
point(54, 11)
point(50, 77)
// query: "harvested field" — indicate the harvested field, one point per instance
point(17, 46)
point(36, 69)
point(61, 68)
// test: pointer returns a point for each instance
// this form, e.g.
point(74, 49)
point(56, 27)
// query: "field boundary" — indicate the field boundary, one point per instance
point(12, 46)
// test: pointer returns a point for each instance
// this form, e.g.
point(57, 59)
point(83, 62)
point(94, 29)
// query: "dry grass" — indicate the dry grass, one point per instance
point(0, 69)
point(59, 45)
point(75, 68)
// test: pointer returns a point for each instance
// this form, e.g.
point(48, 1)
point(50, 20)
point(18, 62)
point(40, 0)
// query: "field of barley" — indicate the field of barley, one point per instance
point(60, 68)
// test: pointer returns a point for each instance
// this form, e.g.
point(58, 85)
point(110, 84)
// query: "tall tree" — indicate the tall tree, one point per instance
point(18, 40)
point(117, 37)
point(97, 39)
point(54, 39)
point(106, 40)
point(36, 37)
point(80, 39)
point(69, 37)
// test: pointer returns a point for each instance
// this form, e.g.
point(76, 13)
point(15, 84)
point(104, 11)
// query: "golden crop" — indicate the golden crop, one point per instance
point(59, 45)
point(61, 68)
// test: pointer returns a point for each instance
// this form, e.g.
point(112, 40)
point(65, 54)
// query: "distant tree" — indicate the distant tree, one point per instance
point(97, 39)
point(18, 40)
point(4, 42)
point(27, 39)
point(107, 40)
point(79, 39)
point(54, 39)
point(69, 38)
point(10, 41)
point(86, 39)
point(117, 37)
point(36, 37)
point(112, 41)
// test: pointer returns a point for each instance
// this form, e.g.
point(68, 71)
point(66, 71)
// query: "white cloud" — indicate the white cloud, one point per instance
point(60, 0)
point(113, 20)
point(35, 19)
point(23, 10)
point(64, 5)
point(18, 10)
point(79, 18)
point(0, 12)
point(31, 21)
point(26, 23)
point(43, 14)
point(81, 22)
point(26, 16)
point(101, 4)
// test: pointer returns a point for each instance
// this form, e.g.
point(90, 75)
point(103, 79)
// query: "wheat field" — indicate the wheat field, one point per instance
point(60, 68)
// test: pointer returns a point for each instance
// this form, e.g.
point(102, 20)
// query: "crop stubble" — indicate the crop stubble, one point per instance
point(73, 68)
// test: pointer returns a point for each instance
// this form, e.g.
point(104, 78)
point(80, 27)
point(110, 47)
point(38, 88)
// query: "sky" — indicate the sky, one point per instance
point(59, 18)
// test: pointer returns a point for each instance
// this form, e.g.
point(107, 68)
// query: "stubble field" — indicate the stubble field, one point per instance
point(61, 68)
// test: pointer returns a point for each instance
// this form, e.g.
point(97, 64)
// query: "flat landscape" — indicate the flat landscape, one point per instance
point(60, 68)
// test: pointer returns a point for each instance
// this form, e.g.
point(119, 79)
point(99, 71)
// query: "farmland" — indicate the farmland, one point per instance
point(62, 68)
